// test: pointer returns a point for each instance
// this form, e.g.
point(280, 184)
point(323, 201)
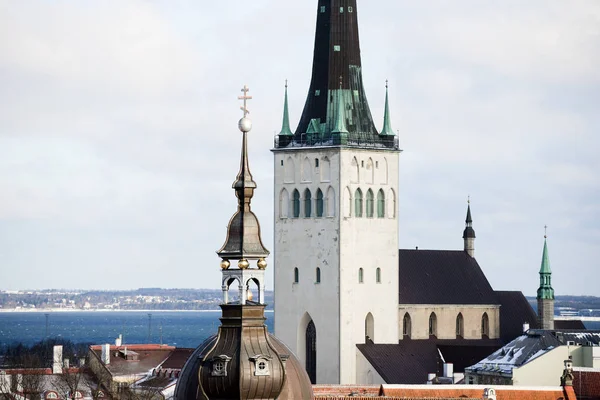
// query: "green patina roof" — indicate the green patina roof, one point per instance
point(285, 126)
point(340, 122)
point(545, 291)
point(545, 268)
point(387, 123)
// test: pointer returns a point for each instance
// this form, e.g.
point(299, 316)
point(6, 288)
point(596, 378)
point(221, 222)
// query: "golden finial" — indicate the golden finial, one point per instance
point(243, 264)
point(262, 263)
point(225, 264)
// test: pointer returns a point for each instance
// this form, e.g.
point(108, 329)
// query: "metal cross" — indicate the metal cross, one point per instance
point(245, 97)
point(469, 199)
point(386, 83)
point(545, 231)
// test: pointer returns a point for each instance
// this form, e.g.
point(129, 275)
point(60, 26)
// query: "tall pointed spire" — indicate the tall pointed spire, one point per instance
point(285, 126)
point(337, 53)
point(469, 232)
point(545, 293)
point(387, 123)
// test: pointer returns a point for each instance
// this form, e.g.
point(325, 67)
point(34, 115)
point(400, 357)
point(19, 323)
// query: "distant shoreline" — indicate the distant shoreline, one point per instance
point(63, 310)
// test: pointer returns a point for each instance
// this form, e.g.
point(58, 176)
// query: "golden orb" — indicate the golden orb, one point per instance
point(243, 263)
point(225, 264)
point(262, 263)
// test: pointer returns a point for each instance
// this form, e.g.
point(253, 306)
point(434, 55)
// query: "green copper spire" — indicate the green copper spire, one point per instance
point(387, 123)
point(285, 127)
point(340, 122)
point(545, 292)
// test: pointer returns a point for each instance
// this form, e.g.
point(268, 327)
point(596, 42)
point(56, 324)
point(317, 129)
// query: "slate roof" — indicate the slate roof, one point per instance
point(442, 277)
point(569, 324)
point(410, 361)
point(515, 310)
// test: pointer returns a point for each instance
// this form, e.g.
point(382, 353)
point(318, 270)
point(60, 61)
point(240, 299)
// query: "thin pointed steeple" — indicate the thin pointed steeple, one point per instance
point(469, 232)
point(387, 123)
point(545, 293)
point(285, 126)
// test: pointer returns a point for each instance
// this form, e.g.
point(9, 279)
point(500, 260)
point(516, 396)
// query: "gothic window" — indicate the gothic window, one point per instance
point(460, 326)
point(354, 170)
point(325, 170)
point(307, 203)
point(311, 352)
point(380, 204)
point(391, 204)
point(370, 172)
point(289, 170)
point(369, 328)
point(330, 202)
point(319, 203)
point(383, 172)
point(296, 203)
point(432, 324)
point(316, 163)
point(296, 275)
point(378, 275)
point(370, 201)
point(306, 170)
point(358, 203)
point(318, 277)
point(361, 277)
point(485, 326)
point(406, 326)
point(347, 203)
point(284, 203)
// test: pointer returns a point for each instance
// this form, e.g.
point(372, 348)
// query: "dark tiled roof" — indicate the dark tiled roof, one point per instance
point(586, 383)
point(515, 310)
point(410, 361)
point(569, 324)
point(177, 358)
point(442, 277)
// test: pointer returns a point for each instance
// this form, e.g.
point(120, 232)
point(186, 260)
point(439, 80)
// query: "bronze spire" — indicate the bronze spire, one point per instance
point(243, 233)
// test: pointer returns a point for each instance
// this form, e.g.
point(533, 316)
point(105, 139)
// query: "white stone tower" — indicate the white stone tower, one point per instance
point(336, 227)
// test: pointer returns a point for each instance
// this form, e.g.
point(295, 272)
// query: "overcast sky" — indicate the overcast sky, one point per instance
point(119, 140)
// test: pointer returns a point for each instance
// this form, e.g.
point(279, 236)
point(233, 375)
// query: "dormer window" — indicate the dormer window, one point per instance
point(219, 365)
point(262, 365)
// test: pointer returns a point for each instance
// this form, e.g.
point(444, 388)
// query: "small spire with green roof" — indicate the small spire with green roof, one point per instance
point(545, 291)
point(340, 123)
point(285, 126)
point(387, 123)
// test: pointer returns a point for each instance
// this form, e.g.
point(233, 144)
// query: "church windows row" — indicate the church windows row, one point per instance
point(371, 206)
point(369, 172)
point(361, 275)
point(317, 275)
point(305, 205)
point(321, 170)
point(433, 326)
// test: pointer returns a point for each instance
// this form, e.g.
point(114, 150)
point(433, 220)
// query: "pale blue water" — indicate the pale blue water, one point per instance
point(181, 329)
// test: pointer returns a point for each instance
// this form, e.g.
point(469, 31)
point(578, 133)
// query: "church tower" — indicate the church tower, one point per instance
point(545, 293)
point(336, 228)
point(469, 233)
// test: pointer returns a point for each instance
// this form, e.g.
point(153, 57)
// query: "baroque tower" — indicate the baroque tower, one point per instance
point(545, 293)
point(336, 228)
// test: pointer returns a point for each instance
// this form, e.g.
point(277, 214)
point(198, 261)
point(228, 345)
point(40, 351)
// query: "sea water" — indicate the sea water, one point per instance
point(176, 328)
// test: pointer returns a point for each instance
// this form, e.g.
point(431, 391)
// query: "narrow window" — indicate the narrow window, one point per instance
point(316, 163)
point(318, 277)
point(406, 326)
point(296, 275)
point(307, 203)
point(358, 203)
point(360, 275)
point(296, 203)
point(323, 8)
point(432, 324)
point(380, 204)
point(460, 326)
point(485, 326)
point(350, 9)
point(341, 10)
point(362, 164)
point(319, 203)
point(376, 164)
point(317, 92)
point(378, 275)
point(337, 47)
point(370, 206)
point(282, 163)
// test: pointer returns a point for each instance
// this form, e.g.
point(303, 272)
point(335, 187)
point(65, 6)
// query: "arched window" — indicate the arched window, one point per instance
point(358, 203)
point(306, 170)
point(370, 172)
point(289, 170)
point(406, 326)
point(485, 326)
point(370, 200)
point(391, 204)
point(296, 275)
point(325, 170)
point(460, 326)
point(318, 277)
point(369, 328)
point(311, 352)
point(347, 203)
point(380, 204)
point(319, 203)
point(378, 275)
point(296, 203)
point(330, 202)
point(307, 203)
point(432, 324)
point(361, 277)
point(354, 171)
point(284, 203)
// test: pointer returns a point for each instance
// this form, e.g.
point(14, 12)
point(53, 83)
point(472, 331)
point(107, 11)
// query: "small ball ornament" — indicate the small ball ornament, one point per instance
point(243, 264)
point(225, 264)
point(245, 125)
point(262, 263)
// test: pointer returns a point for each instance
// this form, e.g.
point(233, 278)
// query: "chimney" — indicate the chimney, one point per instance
point(567, 377)
point(119, 341)
point(106, 354)
point(57, 360)
point(525, 327)
point(430, 378)
point(448, 370)
point(489, 394)
point(66, 363)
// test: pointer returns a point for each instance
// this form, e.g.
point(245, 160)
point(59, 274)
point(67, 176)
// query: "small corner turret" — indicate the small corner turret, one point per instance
point(469, 232)
point(545, 293)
